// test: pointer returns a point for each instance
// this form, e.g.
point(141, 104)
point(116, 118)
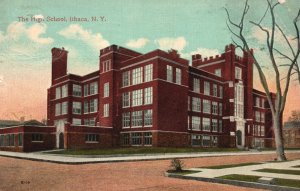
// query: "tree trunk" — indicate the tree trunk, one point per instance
point(277, 125)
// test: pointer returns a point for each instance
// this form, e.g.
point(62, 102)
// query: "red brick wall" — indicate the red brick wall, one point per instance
point(170, 139)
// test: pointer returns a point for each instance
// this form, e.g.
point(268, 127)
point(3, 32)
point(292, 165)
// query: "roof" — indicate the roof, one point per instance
point(9, 123)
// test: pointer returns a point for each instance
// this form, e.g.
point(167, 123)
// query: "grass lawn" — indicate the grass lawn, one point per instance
point(231, 165)
point(183, 172)
point(279, 171)
point(141, 150)
point(249, 178)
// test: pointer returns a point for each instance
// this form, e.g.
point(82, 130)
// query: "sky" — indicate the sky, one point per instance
point(189, 26)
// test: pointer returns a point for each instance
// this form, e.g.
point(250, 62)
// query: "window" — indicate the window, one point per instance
point(238, 73)
point(262, 103)
point(106, 65)
point(214, 141)
point(64, 108)
point(239, 100)
point(214, 124)
point(148, 95)
point(220, 109)
point(196, 104)
point(76, 121)
point(205, 141)
point(93, 121)
point(93, 88)
point(106, 89)
point(137, 97)
point(189, 103)
point(64, 90)
point(215, 90)
point(196, 140)
point(262, 117)
point(126, 119)
point(57, 109)
point(195, 123)
point(86, 121)
point(206, 124)
point(147, 138)
point(76, 108)
point(215, 108)
point(126, 99)
point(93, 105)
point(136, 119)
point(36, 137)
point(1, 140)
point(188, 122)
point(148, 117)
point(178, 76)
point(92, 138)
point(76, 90)
point(221, 91)
point(126, 78)
point(257, 116)
point(106, 110)
point(86, 107)
point(262, 130)
point(206, 106)
point(137, 76)
point(148, 73)
point(86, 90)
point(169, 73)
point(218, 72)
point(206, 88)
point(11, 140)
point(136, 138)
point(57, 93)
point(220, 126)
point(196, 84)
point(257, 102)
point(125, 139)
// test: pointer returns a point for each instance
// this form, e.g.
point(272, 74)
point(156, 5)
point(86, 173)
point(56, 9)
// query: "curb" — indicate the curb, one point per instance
point(234, 182)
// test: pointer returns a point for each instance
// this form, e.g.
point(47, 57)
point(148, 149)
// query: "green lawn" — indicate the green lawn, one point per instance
point(280, 171)
point(141, 150)
point(183, 172)
point(230, 165)
point(249, 178)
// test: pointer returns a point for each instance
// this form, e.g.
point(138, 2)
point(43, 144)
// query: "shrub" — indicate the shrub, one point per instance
point(177, 165)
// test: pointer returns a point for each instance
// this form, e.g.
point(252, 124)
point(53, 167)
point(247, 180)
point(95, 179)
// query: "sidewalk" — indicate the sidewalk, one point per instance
point(58, 158)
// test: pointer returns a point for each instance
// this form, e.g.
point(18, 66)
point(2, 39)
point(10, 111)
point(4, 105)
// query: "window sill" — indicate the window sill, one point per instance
point(92, 142)
point(136, 126)
point(37, 141)
point(147, 126)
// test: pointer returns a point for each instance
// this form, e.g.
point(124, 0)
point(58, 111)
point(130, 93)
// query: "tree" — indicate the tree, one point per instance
point(272, 30)
point(295, 116)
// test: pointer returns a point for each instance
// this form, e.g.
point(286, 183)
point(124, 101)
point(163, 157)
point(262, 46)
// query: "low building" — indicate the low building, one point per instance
point(291, 134)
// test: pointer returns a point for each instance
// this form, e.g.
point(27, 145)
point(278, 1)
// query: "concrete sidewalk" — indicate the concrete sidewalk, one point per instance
point(59, 158)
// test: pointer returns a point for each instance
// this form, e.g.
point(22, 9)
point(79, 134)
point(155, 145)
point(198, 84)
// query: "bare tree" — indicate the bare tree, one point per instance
point(282, 79)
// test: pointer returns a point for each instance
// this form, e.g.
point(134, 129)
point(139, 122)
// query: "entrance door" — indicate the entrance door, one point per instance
point(61, 141)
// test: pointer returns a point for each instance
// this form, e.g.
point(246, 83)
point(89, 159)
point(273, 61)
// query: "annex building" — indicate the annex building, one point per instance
point(155, 99)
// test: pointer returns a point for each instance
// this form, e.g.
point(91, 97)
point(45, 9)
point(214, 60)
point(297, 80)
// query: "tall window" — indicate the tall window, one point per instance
point(93, 105)
point(206, 106)
point(215, 90)
point(257, 116)
point(20, 139)
point(57, 109)
point(147, 138)
point(148, 95)
point(215, 108)
point(126, 119)
point(206, 124)
point(220, 109)
point(148, 117)
point(257, 102)
point(126, 78)
point(238, 73)
point(239, 100)
point(206, 88)
point(76, 121)
point(262, 117)
point(178, 76)
point(196, 84)
point(214, 124)
point(106, 90)
point(76, 108)
point(57, 93)
point(76, 90)
point(64, 108)
point(137, 97)
point(196, 104)
point(64, 90)
point(220, 126)
point(262, 130)
point(86, 107)
point(126, 99)
point(195, 123)
point(86, 90)
point(169, 73)
point(106, 65)
point(93, 88)
point(218, 72)
point(189, 103)
point(136, 138)
point(221, 91)
point(148, 72)
point(137, 76)
point(106, 110)
point(136, 119)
